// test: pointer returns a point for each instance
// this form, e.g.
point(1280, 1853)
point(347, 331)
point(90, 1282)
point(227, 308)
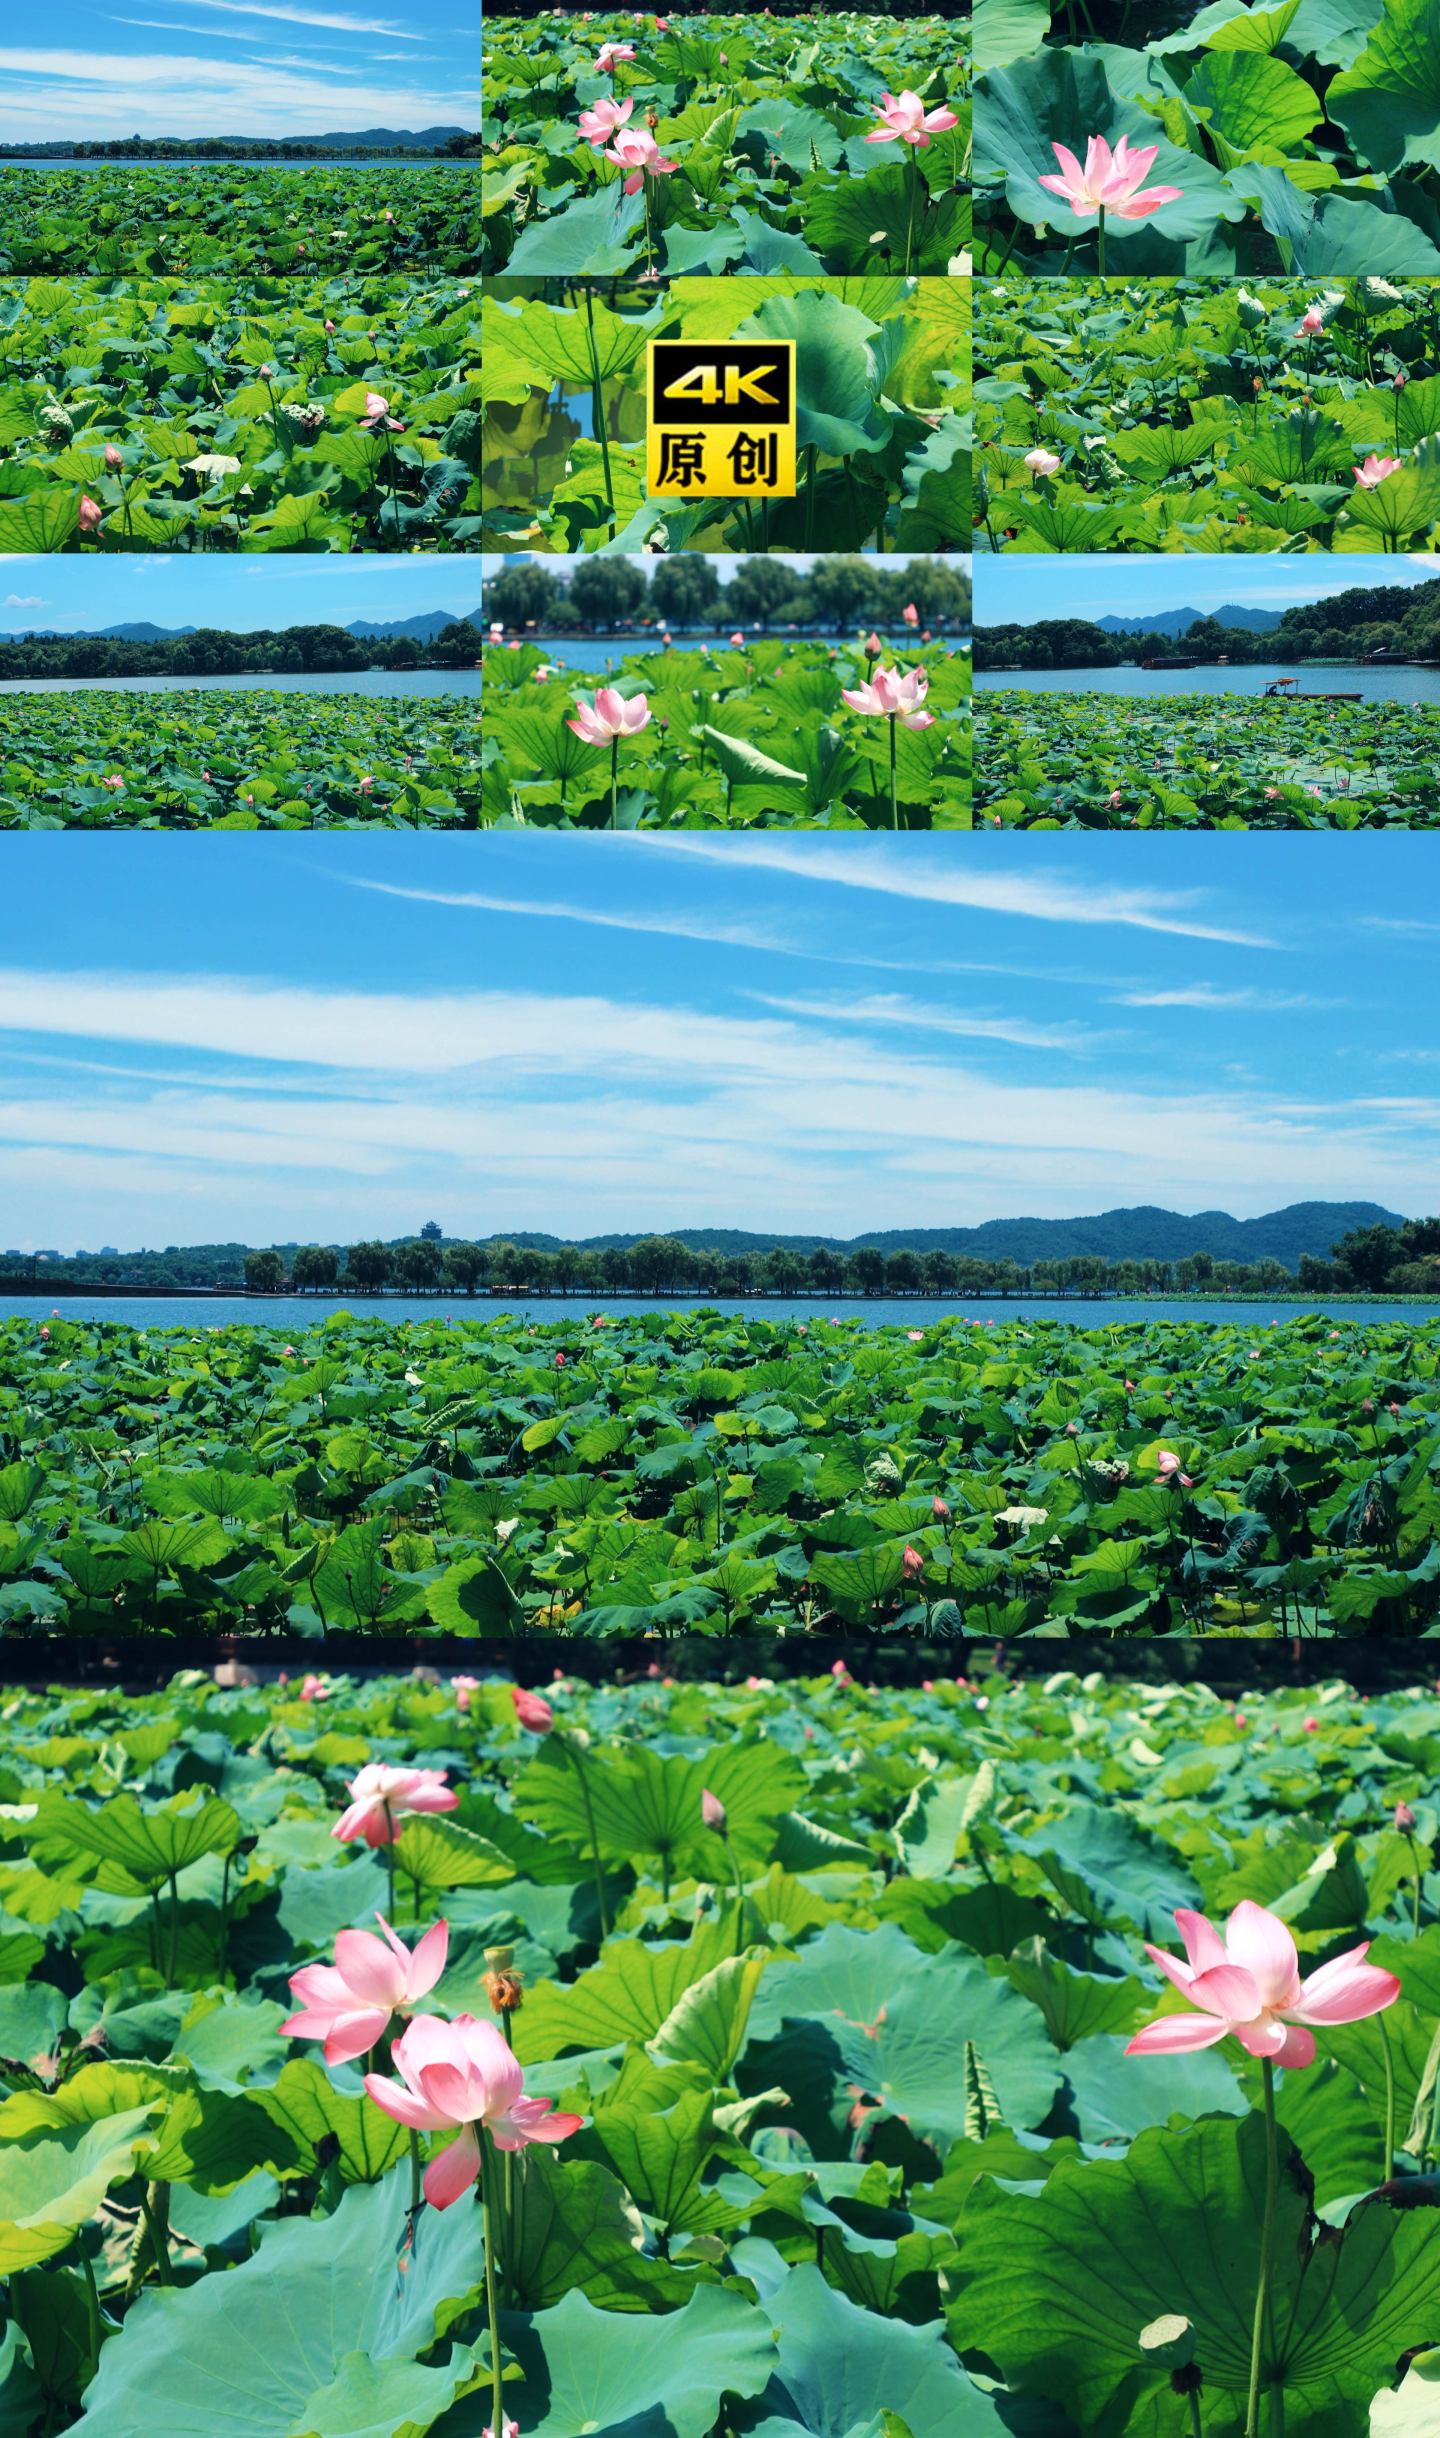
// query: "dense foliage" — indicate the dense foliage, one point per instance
point(210, 651)
point(238, 761)
point(1191, 415)
point(1302, 137)
point(155, 414)
point(746, 736)
point(763, 128)
point(257, 220)
point(1114, 761)
point(607, 596)
point(691, 1472)
point(881, 377)
point(862, 2150)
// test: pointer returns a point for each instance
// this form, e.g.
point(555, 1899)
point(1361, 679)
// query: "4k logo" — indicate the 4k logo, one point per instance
point(721, 419)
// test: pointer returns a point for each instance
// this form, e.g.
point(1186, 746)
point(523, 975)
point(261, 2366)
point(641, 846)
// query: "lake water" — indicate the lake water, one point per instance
point(301, 1311)
point(413, 682)
point(1376, 684)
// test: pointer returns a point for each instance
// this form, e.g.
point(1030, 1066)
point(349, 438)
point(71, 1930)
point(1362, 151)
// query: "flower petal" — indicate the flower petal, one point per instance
point(1260, 1943)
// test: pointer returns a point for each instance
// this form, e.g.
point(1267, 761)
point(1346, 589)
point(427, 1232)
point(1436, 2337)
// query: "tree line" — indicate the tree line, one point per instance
point(603, 596)
point(663, 1265)
point(215, 652)
point(231, 148)
point(1402, 619)
point(1402, 1260)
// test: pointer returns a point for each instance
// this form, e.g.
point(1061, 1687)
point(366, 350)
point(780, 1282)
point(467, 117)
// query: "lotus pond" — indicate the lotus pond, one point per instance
point(739, 737)
point(1303, 137)
point(259, 219)
point(1191, 415)
point(159, 414)
point(688, 1471)
point(766, 145)
point(1087, 761)
point(881, 378)
point(822, 1999)
point(194, 759)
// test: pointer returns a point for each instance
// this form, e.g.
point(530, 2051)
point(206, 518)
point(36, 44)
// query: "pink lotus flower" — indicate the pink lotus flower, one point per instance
point(738, 640)
point(314, 1689)
point(1404, 1819)
point(1312, 322)
point(610, 715)
point(1110, 182)
point(1167, 1465)
point(609, 53)
point(885, 694)
point(114, 781)
point(713, 1812)
point(91, 514)
point(349, 2004)
point(463, 2074)
point(462, 1687)
point(873, 647)
point(1367, 477)
point(380, 1796)
point(638, 152)
point(600, 122)
point(113, 458)
point(913, 1564)
point(531, 1711)
point(1248, 1983)
point(1043, 461)
point(910, 614)
point(377, 414)
point(905, 120)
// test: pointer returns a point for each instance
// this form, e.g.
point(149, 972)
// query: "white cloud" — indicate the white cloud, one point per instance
point(1205, 995)
point(25, 601)
point(100, 94)
point(910, 1016)
point(327, 18)
point(961, 882)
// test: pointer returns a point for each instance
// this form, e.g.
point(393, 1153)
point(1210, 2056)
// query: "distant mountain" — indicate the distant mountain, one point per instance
point(1179, 621)
point(424, 629)
point(1140, 1234)
point(140, 630)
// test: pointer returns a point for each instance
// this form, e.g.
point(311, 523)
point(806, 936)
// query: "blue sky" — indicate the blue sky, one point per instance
point(98, 68)
point(81, 596)
point(1020, 590)
point(276, 1037)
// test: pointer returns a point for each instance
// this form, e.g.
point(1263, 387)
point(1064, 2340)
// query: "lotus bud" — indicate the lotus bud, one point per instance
point(713, 1812)
point(1404, 1819)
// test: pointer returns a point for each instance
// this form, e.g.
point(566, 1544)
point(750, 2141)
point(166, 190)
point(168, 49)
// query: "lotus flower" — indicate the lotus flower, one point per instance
point(910, 614)
point(601, 121)
point(1248, 1983)
point(91, 514)
point(531, 1711)
point(380, 1796)
point(113, 458)
point(1312, 322)
point(638, 152)
point(377, 414)
point(610, 715)
point(713, 1812)
point(349, 2004)
point(463, 2074)
point(904, 119)
point(885, 694)
point(1367, 477)
point(609, 53)
point(1110, 182)
point(1043, 461)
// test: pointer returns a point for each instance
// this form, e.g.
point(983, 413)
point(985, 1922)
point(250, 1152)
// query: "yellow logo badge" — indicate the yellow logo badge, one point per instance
point(721, 421)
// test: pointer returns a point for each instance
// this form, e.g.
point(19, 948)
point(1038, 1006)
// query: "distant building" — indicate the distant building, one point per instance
point(432, 1232)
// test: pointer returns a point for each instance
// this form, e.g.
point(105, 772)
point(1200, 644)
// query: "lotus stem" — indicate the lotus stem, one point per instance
point(1267, 2245)
point(1100, 239)
point(894, 799)
point(614, 776)
point(487, 2221)
point(594, 1840)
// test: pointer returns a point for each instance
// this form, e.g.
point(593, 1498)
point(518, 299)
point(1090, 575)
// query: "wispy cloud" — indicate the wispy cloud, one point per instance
point(1205, 995)
point(336, 21)
point(908, 1015)
point(25, 601)
point(951, 882)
